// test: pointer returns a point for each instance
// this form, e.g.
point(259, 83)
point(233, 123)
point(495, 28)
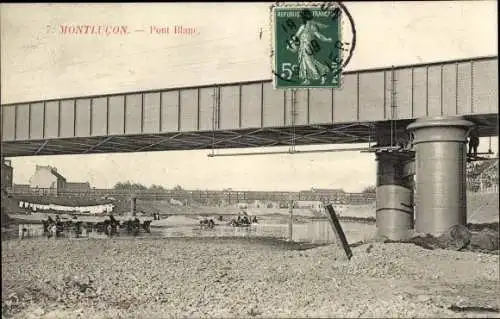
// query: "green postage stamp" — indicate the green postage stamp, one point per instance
point(307, 46)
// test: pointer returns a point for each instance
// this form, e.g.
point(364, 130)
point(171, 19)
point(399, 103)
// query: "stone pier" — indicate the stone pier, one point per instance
point(394, 194)
point(440, 164)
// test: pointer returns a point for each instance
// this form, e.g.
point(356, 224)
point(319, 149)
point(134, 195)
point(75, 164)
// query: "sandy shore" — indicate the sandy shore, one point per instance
point(160, 278)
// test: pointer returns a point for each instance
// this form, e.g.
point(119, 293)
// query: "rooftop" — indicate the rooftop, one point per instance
point(53, 170)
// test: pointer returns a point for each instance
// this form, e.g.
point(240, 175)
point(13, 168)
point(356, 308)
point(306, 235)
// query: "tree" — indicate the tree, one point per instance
point(156, 187)
point(370, 189)
point(129, 186)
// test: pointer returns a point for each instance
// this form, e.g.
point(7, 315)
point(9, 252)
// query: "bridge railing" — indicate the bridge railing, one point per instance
point(190, 196)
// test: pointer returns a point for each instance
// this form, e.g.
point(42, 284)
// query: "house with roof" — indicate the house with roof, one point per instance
point(7, 173)
point(47, 179)
point(77, 187)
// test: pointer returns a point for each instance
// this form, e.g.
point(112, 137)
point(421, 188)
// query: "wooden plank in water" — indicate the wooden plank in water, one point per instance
point(337, 228)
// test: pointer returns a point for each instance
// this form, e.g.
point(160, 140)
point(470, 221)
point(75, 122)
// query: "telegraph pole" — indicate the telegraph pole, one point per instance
point(290, 222)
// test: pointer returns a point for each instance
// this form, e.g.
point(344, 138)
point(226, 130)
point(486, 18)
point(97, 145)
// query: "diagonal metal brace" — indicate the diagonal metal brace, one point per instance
point(107, 139)
point(159, 142)
point(42, 147)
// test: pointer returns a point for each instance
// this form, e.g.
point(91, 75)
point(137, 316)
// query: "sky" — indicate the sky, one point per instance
point(39, 61)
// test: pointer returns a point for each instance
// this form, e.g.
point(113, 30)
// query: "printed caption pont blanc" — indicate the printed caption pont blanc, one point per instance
point(112, 30)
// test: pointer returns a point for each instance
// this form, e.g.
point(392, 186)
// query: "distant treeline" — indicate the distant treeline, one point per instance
point(136, 186)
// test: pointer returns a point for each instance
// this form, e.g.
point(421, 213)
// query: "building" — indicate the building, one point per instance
point(7, 174)
point(360, 198)
point(328, 193)
point(308, 204)
point(21, 188)
point(77, 187)
point(47, 180)
point(322, 194)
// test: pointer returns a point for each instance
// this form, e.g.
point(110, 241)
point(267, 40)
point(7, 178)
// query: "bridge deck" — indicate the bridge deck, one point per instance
point(254, 114)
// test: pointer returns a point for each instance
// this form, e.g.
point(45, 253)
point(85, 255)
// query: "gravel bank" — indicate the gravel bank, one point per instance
point(243, 277)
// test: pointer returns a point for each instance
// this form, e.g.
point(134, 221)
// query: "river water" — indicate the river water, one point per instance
point(318, 232)
point(313, 232)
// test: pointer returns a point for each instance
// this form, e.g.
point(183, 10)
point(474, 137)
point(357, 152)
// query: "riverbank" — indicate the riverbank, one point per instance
point(241, 277)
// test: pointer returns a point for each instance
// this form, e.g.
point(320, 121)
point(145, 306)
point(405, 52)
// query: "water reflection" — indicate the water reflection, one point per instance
point(318, 232)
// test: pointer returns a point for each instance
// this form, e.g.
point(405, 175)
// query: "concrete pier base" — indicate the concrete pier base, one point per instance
point(394, 195)
point(440, 164)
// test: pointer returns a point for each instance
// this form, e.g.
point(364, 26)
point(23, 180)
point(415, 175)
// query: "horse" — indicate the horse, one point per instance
point(240, 222)
point(127, 225)
point(111, 227)
point(147, 226)
point(114, 226)
point(52, 231)
point(203, 223)
point(77, 228)
point(59, 228)
point(49, 228)
point(67, 226)
point(136, 226)
point(46, 225)
point(233, 222)
point(99, 227)
point(207, 224)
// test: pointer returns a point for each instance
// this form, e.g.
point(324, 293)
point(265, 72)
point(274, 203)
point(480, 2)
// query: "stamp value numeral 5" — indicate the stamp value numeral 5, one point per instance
point(288, 69)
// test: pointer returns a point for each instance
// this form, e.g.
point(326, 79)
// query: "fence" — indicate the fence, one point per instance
point(483, 179)
point(484, 185)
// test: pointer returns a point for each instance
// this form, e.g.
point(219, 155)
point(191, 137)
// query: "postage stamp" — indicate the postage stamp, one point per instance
point(308, 49)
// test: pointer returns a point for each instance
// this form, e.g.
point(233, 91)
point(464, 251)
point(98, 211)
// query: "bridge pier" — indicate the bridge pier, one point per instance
point(394, 195)
point(440, 164)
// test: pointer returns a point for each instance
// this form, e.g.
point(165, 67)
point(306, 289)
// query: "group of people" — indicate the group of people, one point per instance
point(55, 228)
point(156, 216)
point(243, 220)
point(110, 226)
point(207, 223)
point(133, 226)
point(406, 142)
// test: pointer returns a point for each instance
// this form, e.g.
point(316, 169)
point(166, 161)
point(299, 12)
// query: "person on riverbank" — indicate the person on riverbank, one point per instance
point(58, 226)
point(473, 142)
point(137, 226)
point(53, 231)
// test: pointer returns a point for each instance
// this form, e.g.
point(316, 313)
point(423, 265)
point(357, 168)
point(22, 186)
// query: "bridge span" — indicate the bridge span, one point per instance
point(438, 103)
point(253, 114)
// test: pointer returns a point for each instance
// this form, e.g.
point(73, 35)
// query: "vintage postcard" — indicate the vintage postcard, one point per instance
point(240, 160)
